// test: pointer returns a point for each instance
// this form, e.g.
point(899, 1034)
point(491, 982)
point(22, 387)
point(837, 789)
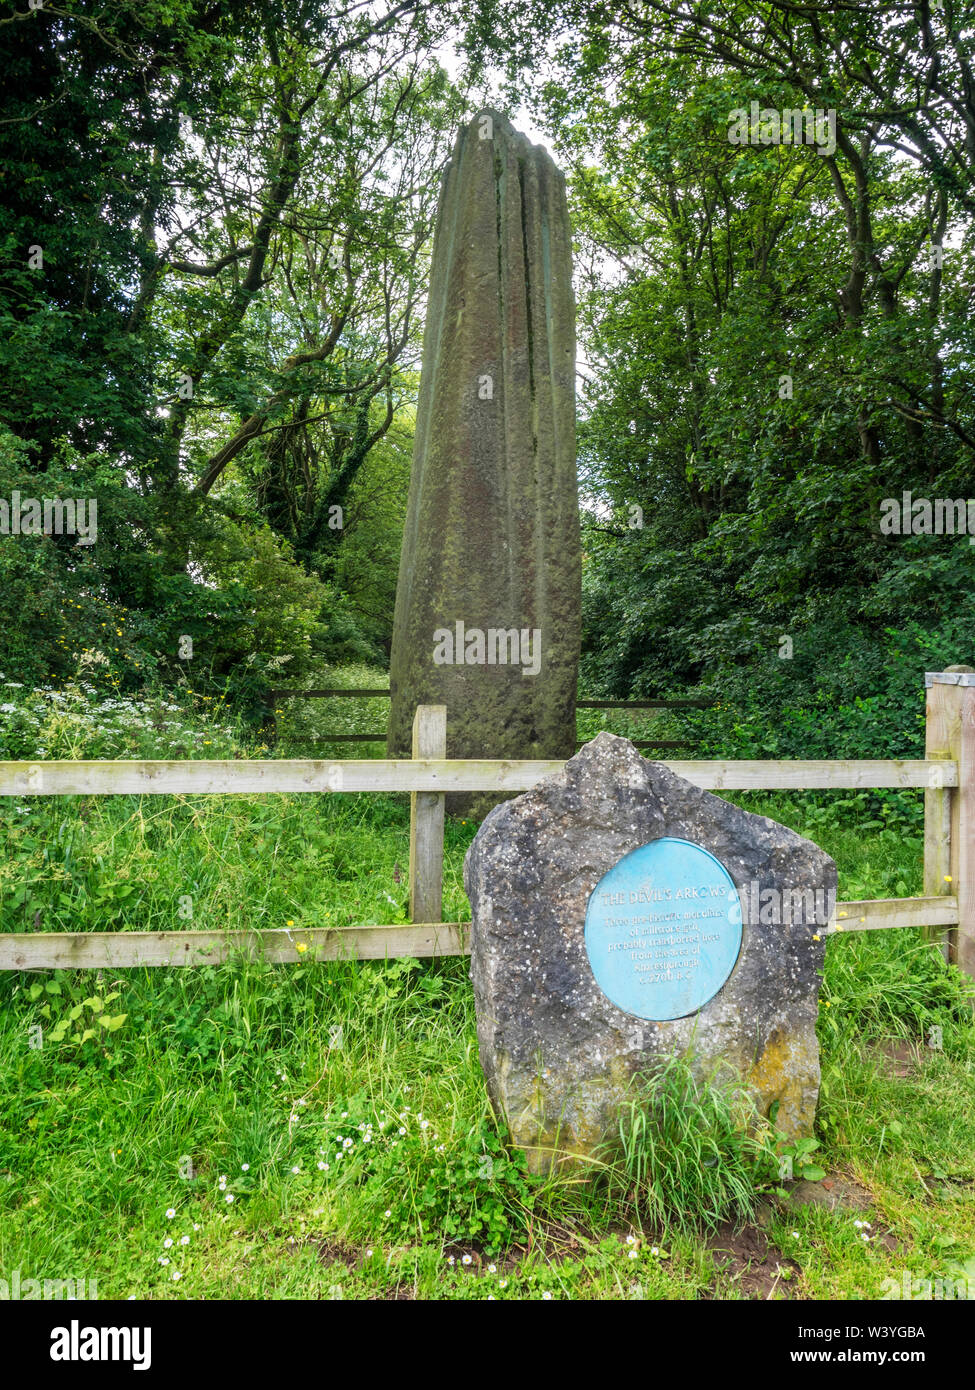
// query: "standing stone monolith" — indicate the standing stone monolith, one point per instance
point(621, 916)
point(488, 602)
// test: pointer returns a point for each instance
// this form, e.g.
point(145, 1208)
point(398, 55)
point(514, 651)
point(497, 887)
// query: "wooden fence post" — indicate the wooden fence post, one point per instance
point(427, 820)
point(949, 813)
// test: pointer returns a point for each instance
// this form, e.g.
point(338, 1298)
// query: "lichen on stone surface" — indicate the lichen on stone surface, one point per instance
point(558, 1055)
point(492, 528)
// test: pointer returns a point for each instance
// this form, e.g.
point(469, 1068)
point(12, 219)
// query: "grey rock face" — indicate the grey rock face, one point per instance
point(557, 1053)
point(492, 530)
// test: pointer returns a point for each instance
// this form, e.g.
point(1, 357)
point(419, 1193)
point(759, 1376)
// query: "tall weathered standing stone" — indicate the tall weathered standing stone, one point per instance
point(488, 601)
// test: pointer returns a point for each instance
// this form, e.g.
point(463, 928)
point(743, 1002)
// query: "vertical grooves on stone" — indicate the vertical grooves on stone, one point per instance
point(491, 534)
point(556, 319)
point(497, 205)
point(436, 302)
point(503, 371)
point(545, 483)
point(528, 296)
point(537, 608)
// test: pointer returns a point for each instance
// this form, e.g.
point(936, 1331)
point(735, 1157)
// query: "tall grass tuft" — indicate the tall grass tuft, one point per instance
point(691, 1153)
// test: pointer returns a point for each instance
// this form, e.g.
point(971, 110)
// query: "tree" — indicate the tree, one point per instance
point(230, 202)
point(769, 348)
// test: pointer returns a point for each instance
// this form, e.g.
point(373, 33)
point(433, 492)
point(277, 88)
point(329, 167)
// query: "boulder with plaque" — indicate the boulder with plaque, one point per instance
point(622, 915)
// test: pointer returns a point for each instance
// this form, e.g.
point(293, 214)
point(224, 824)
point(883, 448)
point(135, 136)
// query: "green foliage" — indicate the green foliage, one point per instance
point(58, 597)
point(367, 562)
point(75, 1022)
point(284, 1068)
point(790, 1160)
point(255, 617)
point(874, 990)
point(304, 725)
point(753, 406)
point(866, 702)
point(688, 1154)
point(78, 721)
point(470, 1190)
point(211, 245)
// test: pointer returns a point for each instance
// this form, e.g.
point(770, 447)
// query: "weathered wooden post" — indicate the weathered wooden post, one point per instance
point(949, 812)
point(427, 820)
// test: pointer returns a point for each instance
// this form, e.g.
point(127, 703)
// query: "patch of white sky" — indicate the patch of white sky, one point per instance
point(489, 91)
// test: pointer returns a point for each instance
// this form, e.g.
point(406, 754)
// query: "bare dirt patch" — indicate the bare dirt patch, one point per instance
point(333, 1252)
point(899, 1060)
point(747, 1258)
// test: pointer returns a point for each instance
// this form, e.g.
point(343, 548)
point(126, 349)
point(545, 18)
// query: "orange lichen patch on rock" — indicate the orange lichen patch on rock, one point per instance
point(781, 1073)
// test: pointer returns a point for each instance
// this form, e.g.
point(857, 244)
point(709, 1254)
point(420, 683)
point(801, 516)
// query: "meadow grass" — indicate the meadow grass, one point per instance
point(321, 1130)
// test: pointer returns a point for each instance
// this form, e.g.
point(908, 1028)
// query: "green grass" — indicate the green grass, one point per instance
point(234, 862)
point(277, 1067)
point(690, 1152)
point(303, 726)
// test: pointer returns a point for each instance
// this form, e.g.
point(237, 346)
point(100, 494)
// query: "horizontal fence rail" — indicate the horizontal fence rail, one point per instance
point(580, 704)
point(245, 776)
point(345, 694)
point(384, 693)
point(380, 737)
point(124, 949)
point(947, 776)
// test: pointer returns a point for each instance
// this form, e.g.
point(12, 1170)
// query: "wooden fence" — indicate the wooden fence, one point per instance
point(946, 773)
point(271, 727)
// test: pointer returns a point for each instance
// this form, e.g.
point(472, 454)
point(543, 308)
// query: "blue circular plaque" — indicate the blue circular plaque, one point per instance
point(663, 930)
